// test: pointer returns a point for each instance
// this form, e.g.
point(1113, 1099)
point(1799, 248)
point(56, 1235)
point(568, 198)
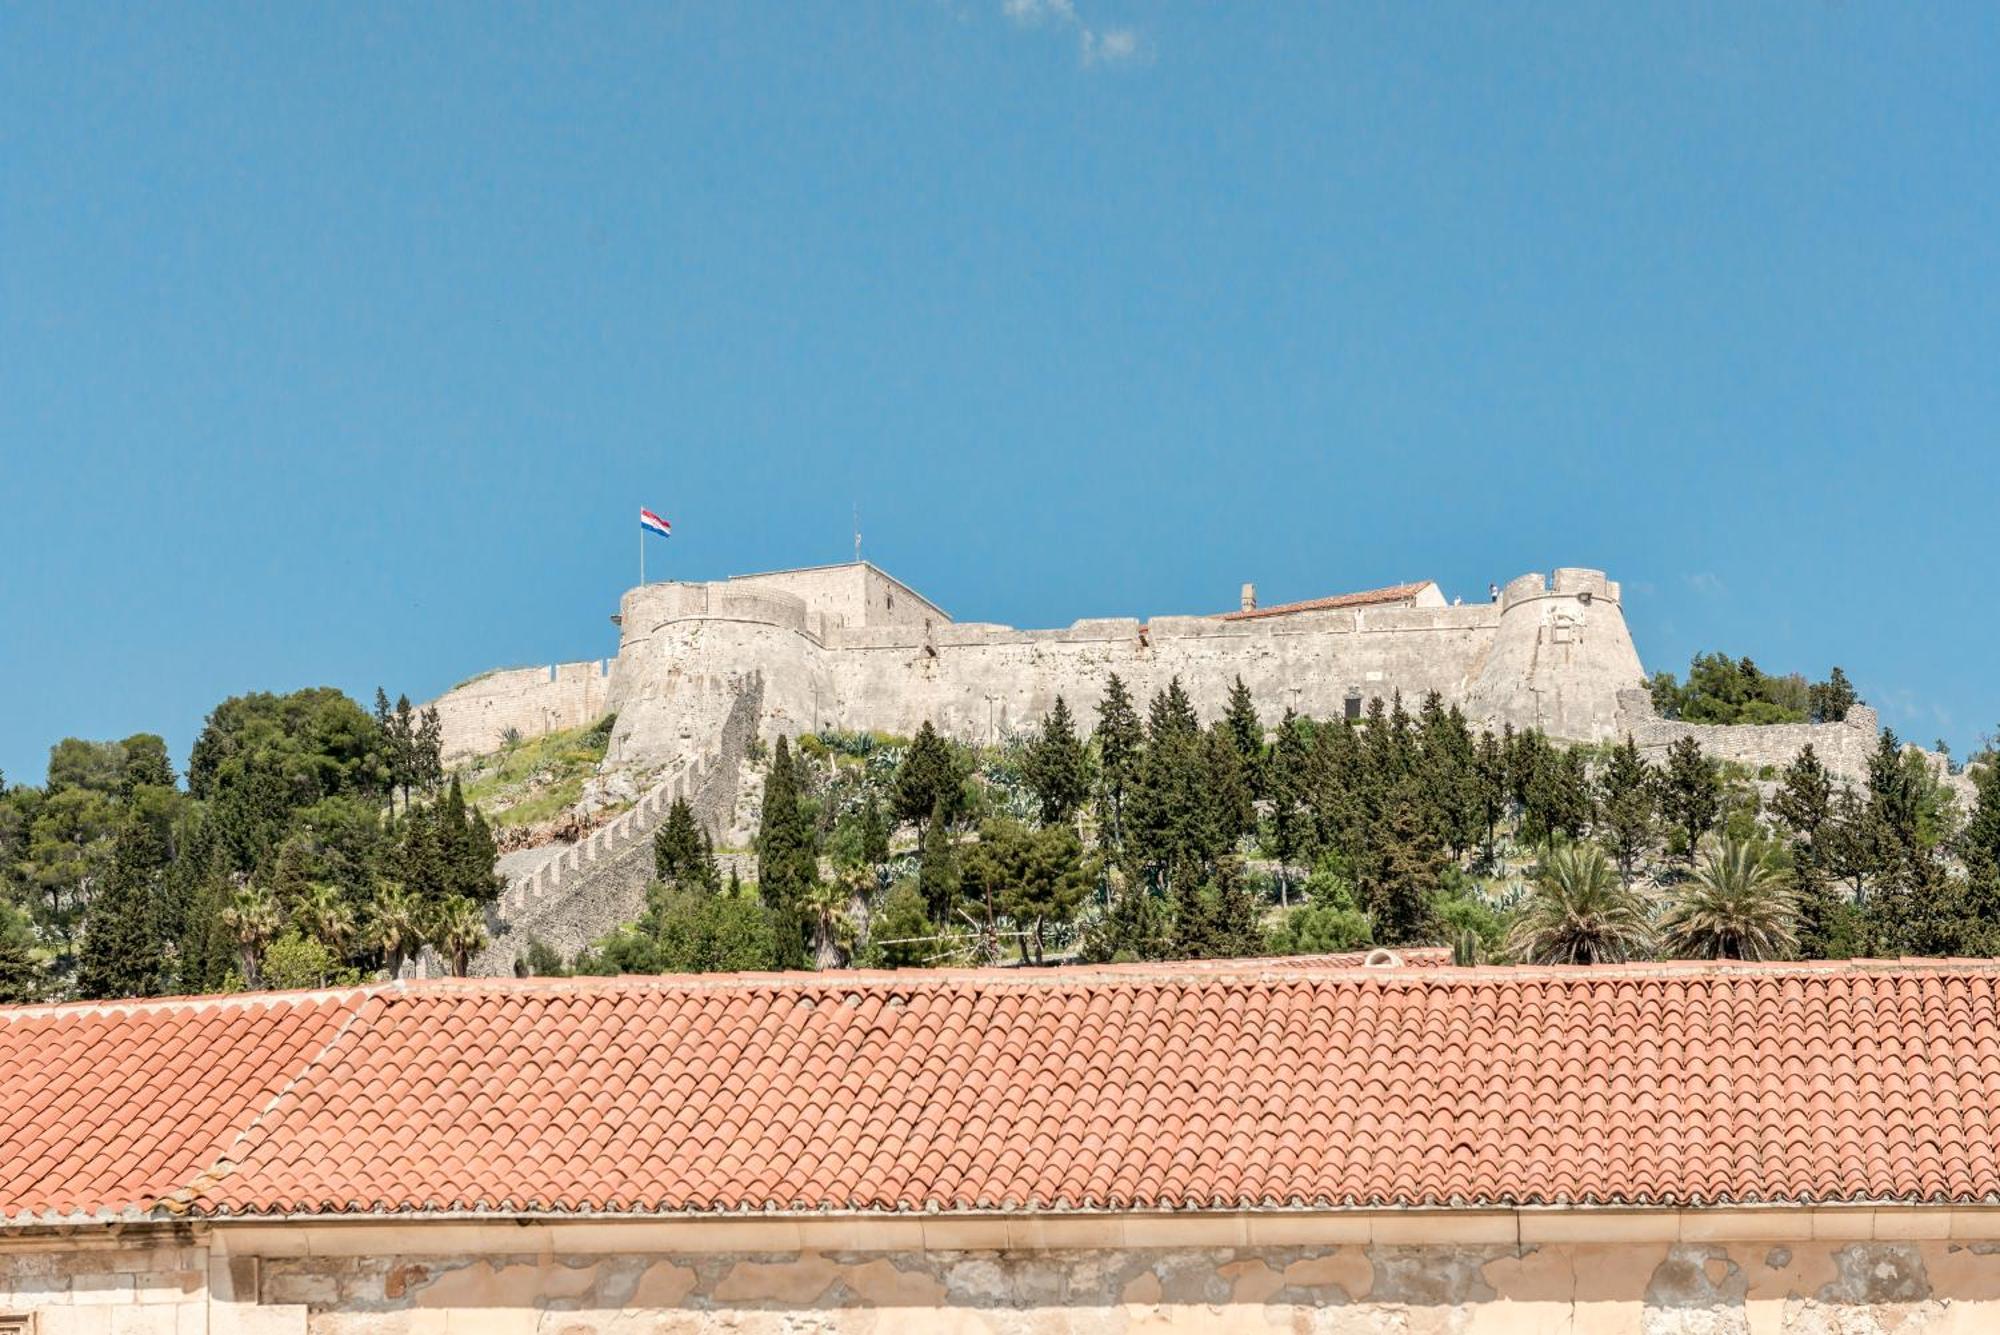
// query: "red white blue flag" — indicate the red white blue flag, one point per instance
point(652, 523)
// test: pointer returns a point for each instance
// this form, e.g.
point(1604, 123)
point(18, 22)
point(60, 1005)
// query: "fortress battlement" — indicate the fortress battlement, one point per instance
point(851, 646)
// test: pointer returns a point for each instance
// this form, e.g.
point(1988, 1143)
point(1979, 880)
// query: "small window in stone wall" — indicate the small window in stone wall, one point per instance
point(1353, 709)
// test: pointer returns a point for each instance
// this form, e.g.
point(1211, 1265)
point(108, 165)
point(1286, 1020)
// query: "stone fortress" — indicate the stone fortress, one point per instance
point(702, 667)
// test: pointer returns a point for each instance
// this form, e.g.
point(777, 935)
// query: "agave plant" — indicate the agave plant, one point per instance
point(1737, 907)
point(1580, 913)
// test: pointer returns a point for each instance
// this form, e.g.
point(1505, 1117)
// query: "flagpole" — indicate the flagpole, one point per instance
point(642, 556)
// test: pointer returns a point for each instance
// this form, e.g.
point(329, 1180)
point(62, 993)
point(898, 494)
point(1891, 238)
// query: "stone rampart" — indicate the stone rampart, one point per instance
point(1551, 654)
point(1844, 747)
point(478, 717)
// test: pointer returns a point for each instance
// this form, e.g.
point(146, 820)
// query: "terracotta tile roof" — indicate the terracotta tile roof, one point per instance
point(1145, 1087)
point(1395, 593)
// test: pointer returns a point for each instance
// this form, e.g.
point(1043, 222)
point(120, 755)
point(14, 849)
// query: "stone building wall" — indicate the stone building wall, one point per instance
point(1764, 1272)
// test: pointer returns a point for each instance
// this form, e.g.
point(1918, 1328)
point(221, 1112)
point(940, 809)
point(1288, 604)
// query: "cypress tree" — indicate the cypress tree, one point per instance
point(1490, 787)
point(122, 953)
point(1289, 777)
point(937, 871)
point(1402, 875)
point(20, 976)
point(874, 832)
point(787, 857)
point(1056, 767)
point(930, 779)
point(1229, 790)
point(1803, 804)
point(1120, 744)
point(1246, 731)
point(1626, 805)
point(478, 860)
point(1691, 793)
point(682, 855)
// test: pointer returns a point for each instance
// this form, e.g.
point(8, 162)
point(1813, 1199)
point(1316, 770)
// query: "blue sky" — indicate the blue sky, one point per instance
point(339, 344)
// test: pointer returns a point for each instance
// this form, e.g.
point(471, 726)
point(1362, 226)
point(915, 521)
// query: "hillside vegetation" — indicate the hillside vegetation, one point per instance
point(532, 781)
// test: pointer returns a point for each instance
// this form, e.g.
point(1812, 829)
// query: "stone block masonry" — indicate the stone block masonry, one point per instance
point(478, 717)
point(849, 647)
point(1788, 1271)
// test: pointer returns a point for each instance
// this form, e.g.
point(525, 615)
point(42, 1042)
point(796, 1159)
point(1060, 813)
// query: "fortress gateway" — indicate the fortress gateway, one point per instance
point(849, 646)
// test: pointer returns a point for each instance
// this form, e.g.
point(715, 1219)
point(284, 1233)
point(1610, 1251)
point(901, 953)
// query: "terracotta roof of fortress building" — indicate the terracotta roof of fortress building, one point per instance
point(1252, 1087)
point(1395, 593)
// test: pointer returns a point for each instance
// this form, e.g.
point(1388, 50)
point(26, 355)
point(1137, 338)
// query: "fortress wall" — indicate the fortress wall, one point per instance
point(1549, 653)
point(1845, 748)
point(477, 716)
point(982, 685)
point(1560, 656)
point(679, 677)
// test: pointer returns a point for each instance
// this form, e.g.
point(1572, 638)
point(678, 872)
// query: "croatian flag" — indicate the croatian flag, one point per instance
point(652, 523)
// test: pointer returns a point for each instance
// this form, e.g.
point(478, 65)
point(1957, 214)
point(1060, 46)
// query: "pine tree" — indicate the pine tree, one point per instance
point(930, 780)
point(1625, 806)
point(1833, 698)
point(1246, 732)
point(1120, 747)
point(1057, 767)
point(1691, 794)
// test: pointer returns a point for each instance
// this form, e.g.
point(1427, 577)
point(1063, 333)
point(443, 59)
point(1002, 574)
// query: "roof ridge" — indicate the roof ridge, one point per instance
point(192, 1001)
point(181, 1200)
point(1201, 973)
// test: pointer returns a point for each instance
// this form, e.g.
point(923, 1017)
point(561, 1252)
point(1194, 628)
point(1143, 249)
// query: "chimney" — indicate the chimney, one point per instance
point(1249, 597)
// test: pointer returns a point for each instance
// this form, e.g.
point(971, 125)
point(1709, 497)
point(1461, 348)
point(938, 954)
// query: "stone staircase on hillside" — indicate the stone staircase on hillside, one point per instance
point(637, 823)
point(585, 891)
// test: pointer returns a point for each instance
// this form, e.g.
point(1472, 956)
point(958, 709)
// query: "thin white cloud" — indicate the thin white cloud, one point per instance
point(1095, 46)
point(1113, 46)
point(1707, 583)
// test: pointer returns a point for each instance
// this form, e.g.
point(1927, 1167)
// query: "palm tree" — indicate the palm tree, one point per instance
point(393, 924)
point(828, 903)
point(460, 930)
point(252, 916)
point(325, 915)
point(1737, 907)
point(1580, 913)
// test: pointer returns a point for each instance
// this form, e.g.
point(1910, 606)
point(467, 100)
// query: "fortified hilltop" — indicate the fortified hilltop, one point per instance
point(703, 669)
point(850, 646)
